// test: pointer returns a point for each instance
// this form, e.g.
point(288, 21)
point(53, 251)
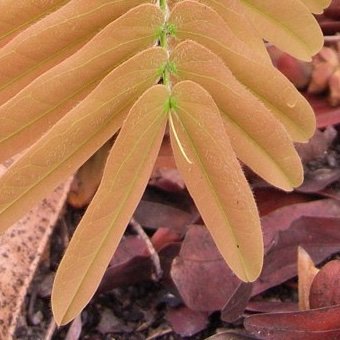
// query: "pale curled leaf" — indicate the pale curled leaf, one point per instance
point(257, 137)
point(215, 180)
point(287, 24)
point(77, 135)
point(306, 274)
point(202, 24)
point(316, 6)
point(125, 177)
point(35, 109)
point(48, 41)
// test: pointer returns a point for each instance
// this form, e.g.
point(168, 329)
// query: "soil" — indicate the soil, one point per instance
point(136, 312)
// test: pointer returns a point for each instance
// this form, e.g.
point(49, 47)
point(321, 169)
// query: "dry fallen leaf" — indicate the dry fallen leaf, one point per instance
point(130, 264)
point(187, 322)
point(306, 275)
point(316, 324)
point(88, 177)
point(22, 247)
point(325, 289)
point(319, 236)
point(237, 303)
point(200, 275)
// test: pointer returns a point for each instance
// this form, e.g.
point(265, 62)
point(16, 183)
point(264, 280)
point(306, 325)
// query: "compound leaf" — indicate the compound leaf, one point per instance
point(200, 23)
point(287, 24)
point(258, 138)
point(233, 14)
point(214, 178)
point(16, 15)
point(25, 117)
point(77, 135)
point(53, 38)
point(126, 175)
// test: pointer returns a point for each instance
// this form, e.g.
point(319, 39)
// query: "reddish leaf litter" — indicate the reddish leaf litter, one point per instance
point(329, 20)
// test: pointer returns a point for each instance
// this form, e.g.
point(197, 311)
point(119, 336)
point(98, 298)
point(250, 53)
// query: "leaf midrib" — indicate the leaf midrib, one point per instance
point(261, 98)
point(75, 151)
point(34, 19)
point(247, 135)
point(114, 218)
point(43, 114)
point(217, 198)
point(261, 12)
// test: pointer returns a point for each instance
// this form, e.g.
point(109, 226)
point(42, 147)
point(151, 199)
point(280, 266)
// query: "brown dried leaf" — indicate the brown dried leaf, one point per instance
point(22, 248)
point(314, 324)
point(156, 215)
point(325, 289)
point(319, 236)
point(186, 322)
point(266, 306)
point(282, 219)
point(130, 264)
point(230, 335)
point(318, 145)
point(88, 177)
point(200, 274)
point(237, 303)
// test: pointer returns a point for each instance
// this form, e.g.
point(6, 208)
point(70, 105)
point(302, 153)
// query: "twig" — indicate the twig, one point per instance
point(51, 329)
point(153, 253)
point(159, 333)
point(327, 38)
point(332, 38)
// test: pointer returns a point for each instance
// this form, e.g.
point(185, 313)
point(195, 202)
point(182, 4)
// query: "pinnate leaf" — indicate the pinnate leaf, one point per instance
point(25, 117)
point(77, 136)
point(268, 151)
point(50, 40)
point(287, 24)
point(204, 157)
point(16, 15)
point(233, 14)
point(125, 177)
point(202, 24)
